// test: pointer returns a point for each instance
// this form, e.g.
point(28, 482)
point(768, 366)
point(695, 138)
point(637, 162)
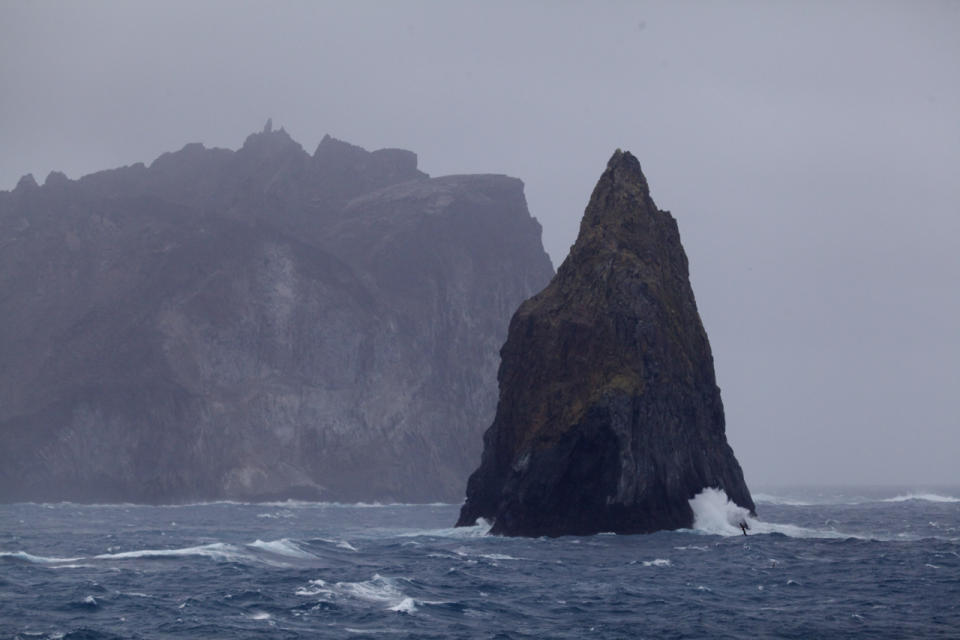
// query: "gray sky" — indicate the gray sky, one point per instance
point(810, 152)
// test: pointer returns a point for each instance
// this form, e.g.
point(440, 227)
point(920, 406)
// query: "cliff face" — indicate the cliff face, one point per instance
point(609, 417)
point(256, 324)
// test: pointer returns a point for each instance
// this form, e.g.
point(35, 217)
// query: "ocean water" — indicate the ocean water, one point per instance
point(838, 563)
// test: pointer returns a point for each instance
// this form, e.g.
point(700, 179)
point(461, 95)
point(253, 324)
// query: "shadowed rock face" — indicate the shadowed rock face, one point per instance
point(254, 324)
point(609, 417)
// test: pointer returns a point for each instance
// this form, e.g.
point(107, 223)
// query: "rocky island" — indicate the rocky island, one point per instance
point(256, 324)
point(610, 418)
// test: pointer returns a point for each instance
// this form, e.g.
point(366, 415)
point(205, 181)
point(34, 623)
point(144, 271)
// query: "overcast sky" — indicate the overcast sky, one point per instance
point(810, 152)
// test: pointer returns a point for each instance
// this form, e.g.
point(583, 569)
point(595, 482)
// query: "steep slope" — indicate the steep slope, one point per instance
point(609, 416)
point(259, 323)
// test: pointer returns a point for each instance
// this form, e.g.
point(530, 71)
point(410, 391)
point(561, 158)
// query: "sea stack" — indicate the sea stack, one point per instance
point(609, 416)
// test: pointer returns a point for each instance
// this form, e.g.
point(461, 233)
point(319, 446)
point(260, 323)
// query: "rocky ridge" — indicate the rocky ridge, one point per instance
point(256, 324)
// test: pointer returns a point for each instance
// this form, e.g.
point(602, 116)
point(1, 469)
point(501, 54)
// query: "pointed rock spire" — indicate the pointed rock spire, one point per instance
point(609, 418)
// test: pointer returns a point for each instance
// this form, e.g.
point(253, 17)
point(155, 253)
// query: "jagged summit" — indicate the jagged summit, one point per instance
point(609, 417)
point(271, 142)
point(26, 183)
point(56, 179)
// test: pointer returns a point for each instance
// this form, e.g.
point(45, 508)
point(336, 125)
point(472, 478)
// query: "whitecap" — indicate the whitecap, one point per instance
point(282, 547)
point(317, 588)
point(480, 529)
point(342, 544)
point(658, 562)
point(498, 556)
point(407, 605)
point(277, 515)
point(215, 550)
point(29, 557)
point(926, 497)
point(377, 590)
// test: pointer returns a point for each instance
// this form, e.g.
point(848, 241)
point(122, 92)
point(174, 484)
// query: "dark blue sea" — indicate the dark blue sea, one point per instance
point(838, 563)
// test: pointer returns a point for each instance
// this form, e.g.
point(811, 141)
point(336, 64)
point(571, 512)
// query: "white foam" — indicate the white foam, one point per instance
point(342, 544)
point(29, 557)
point(260, 615)
point(282, 547)
point(715, 514)
point(407, 605)
point(658, 562)
point(216, 551)
point(480, 529)
point(316, 588)
point(277, 515)
point(377, 590)
point(927, 497)
point(498, 556)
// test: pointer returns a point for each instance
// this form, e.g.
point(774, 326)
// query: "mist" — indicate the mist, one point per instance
point(809, 152)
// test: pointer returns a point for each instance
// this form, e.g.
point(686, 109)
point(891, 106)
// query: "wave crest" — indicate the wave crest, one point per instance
point(926, 497)
point(714, 513)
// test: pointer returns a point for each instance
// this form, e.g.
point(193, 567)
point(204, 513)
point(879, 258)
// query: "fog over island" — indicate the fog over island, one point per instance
point(809, 153)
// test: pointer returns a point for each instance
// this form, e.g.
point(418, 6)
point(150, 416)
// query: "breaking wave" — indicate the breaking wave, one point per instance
point(216, 550)
point(29, 557)
point(480, 529)
point(715, 514)
point(378, 590)
point(283, 547)
point(271, 552)
point(926, 497)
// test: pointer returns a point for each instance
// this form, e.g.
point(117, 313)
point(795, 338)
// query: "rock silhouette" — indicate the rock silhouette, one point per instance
point(609, 417)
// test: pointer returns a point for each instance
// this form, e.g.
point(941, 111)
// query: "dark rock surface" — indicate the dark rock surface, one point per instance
point(254, 324)
point(609, 417)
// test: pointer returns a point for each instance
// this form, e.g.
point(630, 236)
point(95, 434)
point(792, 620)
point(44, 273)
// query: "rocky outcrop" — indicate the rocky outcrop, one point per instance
point(253, 324)
point(609, 416)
